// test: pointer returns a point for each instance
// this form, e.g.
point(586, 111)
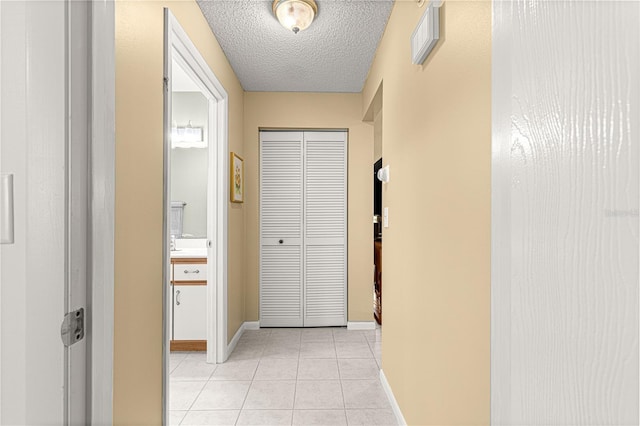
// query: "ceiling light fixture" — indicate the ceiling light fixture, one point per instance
point(187, 137)
point(295, 15)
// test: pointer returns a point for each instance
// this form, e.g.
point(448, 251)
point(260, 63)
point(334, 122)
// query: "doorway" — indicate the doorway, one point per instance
point(188, 178)
point(195, 205)
point(377, 209)
point(377, 243)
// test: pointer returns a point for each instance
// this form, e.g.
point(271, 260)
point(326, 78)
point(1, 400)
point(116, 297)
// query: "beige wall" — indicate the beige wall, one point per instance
point(137, 386)
point(377, 136)
point(436, 137)
point(315, 111)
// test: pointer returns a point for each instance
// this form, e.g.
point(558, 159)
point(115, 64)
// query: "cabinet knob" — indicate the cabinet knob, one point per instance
point(280, 241)
point(177, 297)
point(195, 271)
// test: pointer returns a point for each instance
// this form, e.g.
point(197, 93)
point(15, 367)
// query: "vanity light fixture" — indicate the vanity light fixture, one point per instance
point(295, 15)
point(187, 137)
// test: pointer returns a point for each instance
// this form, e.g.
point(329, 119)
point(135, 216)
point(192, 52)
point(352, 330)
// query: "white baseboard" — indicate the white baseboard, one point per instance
point(252, 325)
point(232, 344)
point(392, 399)
point(361, 325)
point(247, 325)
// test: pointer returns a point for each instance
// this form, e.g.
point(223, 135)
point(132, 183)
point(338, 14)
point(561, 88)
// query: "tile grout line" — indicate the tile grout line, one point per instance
point(201, 390)
point(177, 365)
point(295, 386)
point(197, 396)
point(194, 401)
point(344, 402)
point(244, 401)
point(253, 377)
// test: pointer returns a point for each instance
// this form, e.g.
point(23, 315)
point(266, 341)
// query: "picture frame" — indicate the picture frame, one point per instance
point(236, 178)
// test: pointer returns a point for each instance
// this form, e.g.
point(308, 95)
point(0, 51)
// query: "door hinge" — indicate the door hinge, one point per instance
point(72, 330)
point(165, 81)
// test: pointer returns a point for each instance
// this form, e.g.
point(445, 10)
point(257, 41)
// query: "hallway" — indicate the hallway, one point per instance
point(314, 376)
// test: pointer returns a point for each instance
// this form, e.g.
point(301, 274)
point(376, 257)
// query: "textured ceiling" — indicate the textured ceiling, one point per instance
point(332, 55)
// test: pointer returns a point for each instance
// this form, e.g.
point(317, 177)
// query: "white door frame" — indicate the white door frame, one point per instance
point(78, 116)
point(178, 47)
point(89, 89)
point(100, 300)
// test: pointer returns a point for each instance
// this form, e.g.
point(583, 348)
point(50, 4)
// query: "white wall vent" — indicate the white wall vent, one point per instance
point(426, 34)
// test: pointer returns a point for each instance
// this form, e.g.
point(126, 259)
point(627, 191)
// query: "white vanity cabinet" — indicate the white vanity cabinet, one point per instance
point(189, 312)
point(189, 307)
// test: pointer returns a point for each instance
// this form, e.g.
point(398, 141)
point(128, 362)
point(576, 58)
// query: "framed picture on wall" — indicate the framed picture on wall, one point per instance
point(236, 166)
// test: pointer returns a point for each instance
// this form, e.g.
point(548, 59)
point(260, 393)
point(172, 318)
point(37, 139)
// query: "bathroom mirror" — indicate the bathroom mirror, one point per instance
point(189, 157)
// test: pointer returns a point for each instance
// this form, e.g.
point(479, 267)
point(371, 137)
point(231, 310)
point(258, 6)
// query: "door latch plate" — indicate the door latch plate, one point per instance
point(72, 329)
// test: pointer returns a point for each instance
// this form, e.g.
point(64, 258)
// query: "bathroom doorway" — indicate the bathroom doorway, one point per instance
point(188, 181)
point(195, 207)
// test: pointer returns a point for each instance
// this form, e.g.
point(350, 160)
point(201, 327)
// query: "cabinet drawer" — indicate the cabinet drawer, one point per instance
point(190, 272)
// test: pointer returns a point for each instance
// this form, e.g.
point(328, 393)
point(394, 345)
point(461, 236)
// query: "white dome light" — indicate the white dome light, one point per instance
point(295, 15)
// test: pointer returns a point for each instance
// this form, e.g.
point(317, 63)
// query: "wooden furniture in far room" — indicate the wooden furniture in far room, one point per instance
point(189, 308)
point(377, 301)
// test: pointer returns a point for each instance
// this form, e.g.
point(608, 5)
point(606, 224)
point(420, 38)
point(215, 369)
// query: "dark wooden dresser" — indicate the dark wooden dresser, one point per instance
point(377, 301)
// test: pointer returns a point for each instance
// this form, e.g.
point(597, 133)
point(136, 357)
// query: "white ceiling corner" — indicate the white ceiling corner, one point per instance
point(333, 55)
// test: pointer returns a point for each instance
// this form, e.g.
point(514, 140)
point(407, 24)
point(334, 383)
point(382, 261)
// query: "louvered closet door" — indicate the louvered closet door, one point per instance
point(281, 210)
point(325, 230)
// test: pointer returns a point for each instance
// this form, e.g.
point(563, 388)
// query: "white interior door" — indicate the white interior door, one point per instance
point(44, 135)
point(565, 200)
point(325, 229)
point(281, 212)
point(303, 219)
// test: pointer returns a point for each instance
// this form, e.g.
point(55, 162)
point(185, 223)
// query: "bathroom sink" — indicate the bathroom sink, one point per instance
point(189, 253)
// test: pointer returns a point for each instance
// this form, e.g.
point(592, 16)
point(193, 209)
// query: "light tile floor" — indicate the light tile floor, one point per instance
point(312, 376)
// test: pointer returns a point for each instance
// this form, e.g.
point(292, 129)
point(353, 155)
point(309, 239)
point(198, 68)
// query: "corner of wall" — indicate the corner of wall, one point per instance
point(137, 383)
point(436, 135)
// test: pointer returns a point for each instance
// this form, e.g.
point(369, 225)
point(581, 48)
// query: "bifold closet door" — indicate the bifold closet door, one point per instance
point(325, 229)
point(281, 214)
point(303, 228)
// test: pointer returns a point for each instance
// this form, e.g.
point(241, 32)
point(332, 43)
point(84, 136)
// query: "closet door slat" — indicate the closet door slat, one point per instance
point(325, 230)
point(281, 222)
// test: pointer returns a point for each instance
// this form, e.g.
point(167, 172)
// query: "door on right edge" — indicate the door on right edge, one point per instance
point(565, 213)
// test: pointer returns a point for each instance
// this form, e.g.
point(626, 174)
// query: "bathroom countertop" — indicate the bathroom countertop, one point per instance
point(192, 253)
